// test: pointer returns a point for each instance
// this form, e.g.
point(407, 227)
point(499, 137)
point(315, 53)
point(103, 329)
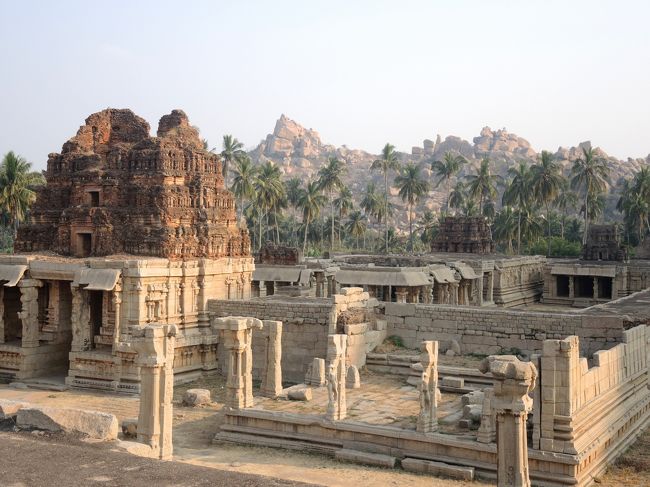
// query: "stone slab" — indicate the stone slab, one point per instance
point(375, 459)
point(196, 397)
point(9, 409)
point(438, 468)
point(94, 424)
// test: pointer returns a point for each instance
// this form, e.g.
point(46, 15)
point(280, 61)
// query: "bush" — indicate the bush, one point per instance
point(560, 247)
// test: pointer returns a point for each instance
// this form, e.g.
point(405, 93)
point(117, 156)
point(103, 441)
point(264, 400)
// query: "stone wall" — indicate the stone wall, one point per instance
point(489, 331)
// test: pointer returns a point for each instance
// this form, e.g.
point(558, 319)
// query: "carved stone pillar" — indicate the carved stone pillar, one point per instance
point(572, 288)
point(117, 307)
point(487, 431)
point(237, 333)
point(2, 314)
point(336, 351)
point(80, 320)
point(490, 290)
point(155, 349)
point(400, 294)
point(272, 373)
point(427, 420)
point(29, 311)
point(320, 283)
point(595, 287)
point(513, 381)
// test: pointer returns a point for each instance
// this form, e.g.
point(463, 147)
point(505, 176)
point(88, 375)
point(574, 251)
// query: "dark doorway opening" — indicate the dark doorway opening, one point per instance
point(12, 306)
point(94, 198)
point(562, 283)
point(96, 314)
point(605, 287)
point(84, 244)
point(584, 287)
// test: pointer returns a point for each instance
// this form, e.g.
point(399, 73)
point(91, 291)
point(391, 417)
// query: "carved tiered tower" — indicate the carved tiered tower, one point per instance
point(114, 189)
point(464, 234)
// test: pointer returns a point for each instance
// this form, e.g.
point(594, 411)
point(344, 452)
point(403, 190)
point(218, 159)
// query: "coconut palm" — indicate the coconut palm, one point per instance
point(482, 186)
point(232, 149)
point(590, 174)
point(546, 182)
point(16, 188)
point(447, 168)
point(329, 179)
point(269, 195)
point(388, 162)
point(566, 201)
point(343, 204)
point(311, 201)
point(457, 196)
point(428, 224)
point(357, 225)
point(243, 183)
point(412, 186)
point(518, 193)
point(506, 225)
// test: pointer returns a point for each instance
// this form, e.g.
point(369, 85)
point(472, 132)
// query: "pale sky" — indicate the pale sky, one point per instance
point(362, 73)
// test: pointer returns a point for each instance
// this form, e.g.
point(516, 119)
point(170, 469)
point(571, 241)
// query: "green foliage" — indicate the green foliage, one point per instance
point(396, 341)
point(560, 247)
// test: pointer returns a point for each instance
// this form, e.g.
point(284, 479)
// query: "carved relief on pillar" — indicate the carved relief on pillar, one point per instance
point(427, 420)
point(80, 320)
point(29, 311)
point(336, 369)
point(2, 314)
point(118, 327)
point(237, 334)
point(272, 371)
point(513, 382)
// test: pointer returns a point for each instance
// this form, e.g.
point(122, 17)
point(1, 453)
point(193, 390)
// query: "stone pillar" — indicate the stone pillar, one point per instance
point(330, 286)
point(427, 420)
point(487, 431)
point(427, 294)
point(155, 348)
point(595, 287)
point(466, 293)
point(490, 291)
point(320, 283)
point(513, 381)
point(400, 294)
point(272, 372)
point(117, 306)
point(479, 290)
point(572, 287)
point(454, 293)
point(336, 351)
point(80, 320)
point(237, 333)
point(29, 311)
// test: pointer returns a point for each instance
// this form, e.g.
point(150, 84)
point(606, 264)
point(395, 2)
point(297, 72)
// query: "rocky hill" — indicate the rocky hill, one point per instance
point(301, 152)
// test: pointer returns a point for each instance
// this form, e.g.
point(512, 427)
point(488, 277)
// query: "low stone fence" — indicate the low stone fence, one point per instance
point(489, 331)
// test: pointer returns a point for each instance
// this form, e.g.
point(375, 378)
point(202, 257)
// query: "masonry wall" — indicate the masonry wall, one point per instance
point(306, 325)
point(489, 331)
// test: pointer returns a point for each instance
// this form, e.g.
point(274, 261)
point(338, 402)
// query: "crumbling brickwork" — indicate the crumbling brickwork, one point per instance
point(114, 189)
point(464, 234)
point(279, 255)
point(603, 243)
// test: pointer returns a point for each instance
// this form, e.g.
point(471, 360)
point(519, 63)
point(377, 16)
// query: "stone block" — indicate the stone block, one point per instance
point(9, 409)
point(456, 382)
point(94, 424)
point(196, 397)
point(352, 379)
point(375, 459)
point(438, 468)
point(356, 329)
point(300, 392)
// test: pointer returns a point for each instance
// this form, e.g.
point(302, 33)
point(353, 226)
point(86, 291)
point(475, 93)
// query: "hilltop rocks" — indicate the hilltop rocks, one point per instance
point(501, 143)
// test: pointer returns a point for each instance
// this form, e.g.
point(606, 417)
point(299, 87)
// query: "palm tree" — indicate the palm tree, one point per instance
point(343, 205)
point(311, 201)
point(590, 173)
point(16, 183)
point(546, 184)
point(506, 226)
point(357, 225)
point(482, 185)
point(428, 223)
point(565, 201)
point(232, 149)
point(446, 169)
point(387, 163)
point(411, 187)
point(457, 196)
point(243, 183)
point(269, 195)
point(518, 193)
point(329, 179)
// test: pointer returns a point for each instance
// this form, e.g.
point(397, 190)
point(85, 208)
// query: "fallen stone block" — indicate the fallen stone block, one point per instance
point(365, 458)
point(9, 409)
point(94, 424)
point(438, 468)
point(457, 382)
point(301, 392)
point(450, 353)
point(196, 397)
point(352, 379)
point(130, 428)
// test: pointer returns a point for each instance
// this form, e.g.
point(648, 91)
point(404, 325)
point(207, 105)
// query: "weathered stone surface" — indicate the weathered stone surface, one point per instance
point(130, 427)
point(279, 255)
point(94, 424)
point(196, 397)
point(104, 194)
point(470, 235)
point(438, 469)
point(9, 409)
point(365, 458)
point(352, 378)
point(455, 382)
point(427, 419)
point(300, 392)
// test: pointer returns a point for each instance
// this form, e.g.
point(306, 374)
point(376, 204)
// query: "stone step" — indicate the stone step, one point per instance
point(438, 468)
point(41, 384)
point(364, 458)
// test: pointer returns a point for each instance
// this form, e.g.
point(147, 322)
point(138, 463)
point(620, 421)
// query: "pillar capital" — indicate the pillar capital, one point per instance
point(514, 380)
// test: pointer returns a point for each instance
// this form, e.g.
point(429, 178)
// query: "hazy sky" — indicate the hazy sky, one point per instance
point(362, 73)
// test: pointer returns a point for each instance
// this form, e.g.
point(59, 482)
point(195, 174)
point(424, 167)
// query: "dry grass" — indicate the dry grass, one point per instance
point(633, 467)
